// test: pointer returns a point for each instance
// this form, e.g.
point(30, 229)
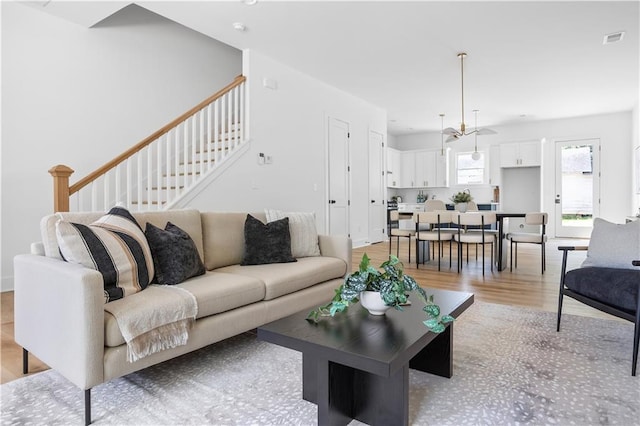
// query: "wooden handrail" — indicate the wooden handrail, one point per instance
point(140, 145)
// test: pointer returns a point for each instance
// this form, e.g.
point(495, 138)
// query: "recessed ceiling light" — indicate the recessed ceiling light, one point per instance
point(613, 37)
point(239, 26)
point(250, 2)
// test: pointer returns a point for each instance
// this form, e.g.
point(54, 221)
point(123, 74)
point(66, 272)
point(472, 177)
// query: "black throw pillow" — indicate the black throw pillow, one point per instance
point(266, 243)
point(175, 256)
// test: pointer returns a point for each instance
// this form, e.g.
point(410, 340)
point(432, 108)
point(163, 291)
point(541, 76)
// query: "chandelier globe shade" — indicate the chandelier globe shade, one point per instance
point(455, 134)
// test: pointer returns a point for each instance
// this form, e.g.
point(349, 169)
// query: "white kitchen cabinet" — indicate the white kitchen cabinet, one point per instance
point(425, 169)
point(494, 166)
point(418, 169)
point(442, 169)
point(394, 169)
point(408, 166)
point(525, 154)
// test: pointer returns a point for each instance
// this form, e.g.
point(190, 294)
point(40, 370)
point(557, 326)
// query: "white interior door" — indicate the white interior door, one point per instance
point(577, 187)
point(338, 170)
point(377, 211)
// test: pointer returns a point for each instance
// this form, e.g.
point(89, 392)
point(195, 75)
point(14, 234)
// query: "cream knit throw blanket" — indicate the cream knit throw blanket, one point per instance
point(155, 319)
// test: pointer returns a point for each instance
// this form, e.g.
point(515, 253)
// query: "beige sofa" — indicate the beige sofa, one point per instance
point(59, 306)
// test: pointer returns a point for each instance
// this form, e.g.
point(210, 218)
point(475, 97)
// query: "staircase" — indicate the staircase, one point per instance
point(159, 171)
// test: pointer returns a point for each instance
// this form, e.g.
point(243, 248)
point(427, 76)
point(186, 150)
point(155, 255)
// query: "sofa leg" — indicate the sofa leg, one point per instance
point(87, 407)
point(25, 361)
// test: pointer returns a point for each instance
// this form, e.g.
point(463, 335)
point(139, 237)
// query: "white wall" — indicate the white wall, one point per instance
point(78, 96)
point(635, 143)
point(289, 124)
point(617, 133)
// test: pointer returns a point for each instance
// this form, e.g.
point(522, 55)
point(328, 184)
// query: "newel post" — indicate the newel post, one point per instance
point(60, 175)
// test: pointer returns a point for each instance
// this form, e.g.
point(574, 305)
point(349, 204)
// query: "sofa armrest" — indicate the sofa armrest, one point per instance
point(59, 316)
point(336, 246)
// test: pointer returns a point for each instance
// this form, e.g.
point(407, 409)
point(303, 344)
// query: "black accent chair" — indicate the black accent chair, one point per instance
point(612, 290)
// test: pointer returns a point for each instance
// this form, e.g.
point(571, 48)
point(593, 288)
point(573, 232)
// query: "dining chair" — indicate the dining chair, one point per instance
point(479, 236)
point(535, 219)
point(471, 206)
point(435, 232)
point(434, 205)
point(396, 231)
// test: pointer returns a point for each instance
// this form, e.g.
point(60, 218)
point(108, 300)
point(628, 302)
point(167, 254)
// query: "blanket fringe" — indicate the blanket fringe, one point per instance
point(167, 336)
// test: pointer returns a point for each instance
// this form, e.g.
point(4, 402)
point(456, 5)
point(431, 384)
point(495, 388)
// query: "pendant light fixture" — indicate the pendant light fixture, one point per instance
point(455, 134)
point(442, 134)
point(476, 155)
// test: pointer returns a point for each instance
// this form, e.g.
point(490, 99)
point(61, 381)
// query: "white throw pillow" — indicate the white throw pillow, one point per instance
point(613, 245)
point(115, 246)
point(302, 227)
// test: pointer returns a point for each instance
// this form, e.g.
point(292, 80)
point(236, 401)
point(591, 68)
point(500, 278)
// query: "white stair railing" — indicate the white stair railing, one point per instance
point(163, 167)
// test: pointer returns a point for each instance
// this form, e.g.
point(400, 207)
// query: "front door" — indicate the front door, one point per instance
point(338, 170)
point(577, 187)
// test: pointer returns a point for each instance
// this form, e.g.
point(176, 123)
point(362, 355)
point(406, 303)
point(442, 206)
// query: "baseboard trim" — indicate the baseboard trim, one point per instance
point(6, 284)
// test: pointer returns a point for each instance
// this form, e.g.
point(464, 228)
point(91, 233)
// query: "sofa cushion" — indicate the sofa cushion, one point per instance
point(613, 245)
point(115, 246)
point(223, 235)
point(215, 292)
point(284, 278)
point(266, 243)
point(613, 286)
point(302, 227)
point(175, 256)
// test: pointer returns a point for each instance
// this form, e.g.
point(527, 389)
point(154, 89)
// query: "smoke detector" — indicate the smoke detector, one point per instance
point(613, 37)
point(239, 26)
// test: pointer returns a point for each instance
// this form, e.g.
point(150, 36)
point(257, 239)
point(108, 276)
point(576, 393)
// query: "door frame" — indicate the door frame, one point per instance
point(575, 232)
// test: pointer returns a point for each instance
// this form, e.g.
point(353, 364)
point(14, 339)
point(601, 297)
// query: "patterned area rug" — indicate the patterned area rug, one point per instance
point(510, 367)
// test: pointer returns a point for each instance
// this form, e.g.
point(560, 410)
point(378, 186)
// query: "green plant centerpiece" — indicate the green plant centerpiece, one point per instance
point(462, 197)
point(392, 284)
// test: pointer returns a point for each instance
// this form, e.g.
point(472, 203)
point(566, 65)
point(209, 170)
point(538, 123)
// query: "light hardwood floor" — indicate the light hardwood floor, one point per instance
point(525, 286)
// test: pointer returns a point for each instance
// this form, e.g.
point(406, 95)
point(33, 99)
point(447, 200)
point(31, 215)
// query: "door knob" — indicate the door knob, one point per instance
point(373, 201)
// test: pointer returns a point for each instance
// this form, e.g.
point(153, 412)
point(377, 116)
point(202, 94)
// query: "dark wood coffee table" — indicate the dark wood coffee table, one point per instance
point(356, 365)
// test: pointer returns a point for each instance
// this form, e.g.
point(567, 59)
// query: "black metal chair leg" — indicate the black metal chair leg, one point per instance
point(636, 337)
point(87, 407)
point(25, 361)
point(636, 341)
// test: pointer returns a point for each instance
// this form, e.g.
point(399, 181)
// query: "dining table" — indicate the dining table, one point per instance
point(501, 258)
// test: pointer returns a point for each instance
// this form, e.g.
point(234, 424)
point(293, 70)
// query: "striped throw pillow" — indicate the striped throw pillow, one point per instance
point(115, 246)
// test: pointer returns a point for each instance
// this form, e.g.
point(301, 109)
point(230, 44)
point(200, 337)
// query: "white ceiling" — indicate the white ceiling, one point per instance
point(543, 59)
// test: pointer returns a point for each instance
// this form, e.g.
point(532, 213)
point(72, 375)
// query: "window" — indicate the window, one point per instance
point(468, 170)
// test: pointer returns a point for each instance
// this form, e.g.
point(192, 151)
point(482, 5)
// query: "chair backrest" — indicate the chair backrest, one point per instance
point(394, 216)
point(437, 217)
point(477, 218)
point(471, 206)
point(433, 205)
point(536, 219)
